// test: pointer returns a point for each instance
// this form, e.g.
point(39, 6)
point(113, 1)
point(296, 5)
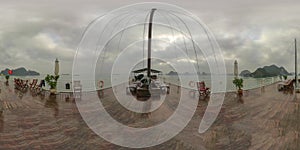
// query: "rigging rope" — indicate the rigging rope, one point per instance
point(101, 34)
point(207, 34)
point(186, 50)
point(189, 32)
point(168, 28)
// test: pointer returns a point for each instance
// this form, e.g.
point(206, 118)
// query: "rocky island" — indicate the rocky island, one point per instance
point(20, 72)
point(266, 71)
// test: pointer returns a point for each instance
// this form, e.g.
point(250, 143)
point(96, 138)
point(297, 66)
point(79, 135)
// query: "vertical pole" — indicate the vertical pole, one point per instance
point(149, 43)
point(296, 70)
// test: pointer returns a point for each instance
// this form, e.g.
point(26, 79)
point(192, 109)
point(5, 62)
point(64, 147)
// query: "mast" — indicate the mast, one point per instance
point(149, 43)
point(296, 70)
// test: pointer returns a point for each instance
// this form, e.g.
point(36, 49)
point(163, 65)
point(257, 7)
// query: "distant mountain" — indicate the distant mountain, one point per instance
point(266, 71)
point(246, 73)
point(274, 70)
point(32, 73)
point(172, 73)
point(20, 72)
point(261, 73)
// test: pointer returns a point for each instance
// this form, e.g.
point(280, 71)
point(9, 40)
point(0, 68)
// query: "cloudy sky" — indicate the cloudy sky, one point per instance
point(256, 33)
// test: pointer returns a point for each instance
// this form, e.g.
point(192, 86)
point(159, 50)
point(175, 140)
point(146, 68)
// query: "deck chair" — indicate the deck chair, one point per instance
point(202, 89)
point(285, 85)
point(17, 82)
point(24, 85)
point(33, 84)
point(77, 88)
point(21, 82)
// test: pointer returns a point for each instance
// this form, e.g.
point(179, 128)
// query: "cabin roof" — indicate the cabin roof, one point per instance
point(145, 69)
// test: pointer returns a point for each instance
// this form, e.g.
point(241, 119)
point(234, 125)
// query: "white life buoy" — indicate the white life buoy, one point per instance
point(192, 84)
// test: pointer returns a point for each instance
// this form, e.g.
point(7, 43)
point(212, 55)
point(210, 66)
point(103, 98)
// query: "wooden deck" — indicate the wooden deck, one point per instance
point(263, 119)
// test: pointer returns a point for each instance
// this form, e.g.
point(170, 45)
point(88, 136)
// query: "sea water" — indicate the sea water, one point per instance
point(89, 84)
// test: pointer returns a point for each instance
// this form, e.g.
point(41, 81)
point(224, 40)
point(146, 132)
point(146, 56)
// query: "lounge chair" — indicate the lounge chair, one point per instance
point(202, 89)
point(21, 84)
point(24, 85)
point(17, 83)
point(33, 84)
point(285, 85)
point(39, 88)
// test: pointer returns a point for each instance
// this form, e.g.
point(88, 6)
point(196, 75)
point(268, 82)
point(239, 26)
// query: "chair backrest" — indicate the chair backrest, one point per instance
point(201, 85)
point(33, 83)
point(291, 81)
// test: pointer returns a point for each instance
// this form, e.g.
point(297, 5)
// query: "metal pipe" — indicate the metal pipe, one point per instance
point(149, 43)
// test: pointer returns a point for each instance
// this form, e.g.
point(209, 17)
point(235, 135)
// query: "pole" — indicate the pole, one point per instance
point(296, 70)
point(149, 43)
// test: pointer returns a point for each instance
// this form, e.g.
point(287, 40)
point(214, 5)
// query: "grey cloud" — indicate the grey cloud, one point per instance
point(256, 32)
